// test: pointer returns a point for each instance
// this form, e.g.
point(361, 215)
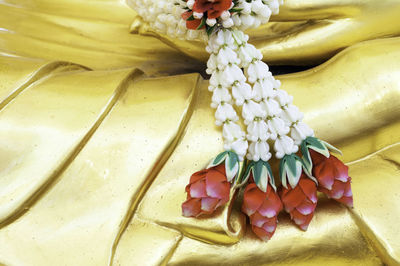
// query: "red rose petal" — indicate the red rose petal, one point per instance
point(222, 4)
point(348, 201)
point(293, 198)
point(253, 198)
point(198, 189)
point(309, 188)
point(193, 24)
point(337, 189)
point(258, 220)
point(261, 233)
point(209, 204)
point(217, 185)
point(191, 208)
point(213, 13)
point(316, 157)
point(342, 170)
point(201, 6)
point(197, 176)
point(186, 15)
point(347, 191)
point(271, 206)
point(324, 173)
point(306, 207)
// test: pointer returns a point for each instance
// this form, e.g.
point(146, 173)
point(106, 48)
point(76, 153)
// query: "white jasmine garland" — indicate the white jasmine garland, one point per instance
point(165, 16)
point(236, 70)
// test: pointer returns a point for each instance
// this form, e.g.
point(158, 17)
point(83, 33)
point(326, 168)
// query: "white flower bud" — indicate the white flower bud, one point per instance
point(227, 56)
point(231, 74)
point(300, 132)
point(190, 4)
point(283, 97)
point(259, 150)
point(277, 127)
point(257, 70)
point(232, 131)
point(240, 147)
point(225, 15)
point(216, 78)
point(211, 22)
point(241, 91)
point(225, 112)
point(197, 15)
point(220, 95)
point(247, 21)
point(257, 130)
point(228, 23)
point(292, 114)
point(246, 7)
point(284, 145)
point(271, 107)
point(252, 110)
point(236, 20)
point(211, 64)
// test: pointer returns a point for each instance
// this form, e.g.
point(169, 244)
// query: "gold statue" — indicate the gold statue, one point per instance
point(100, 130)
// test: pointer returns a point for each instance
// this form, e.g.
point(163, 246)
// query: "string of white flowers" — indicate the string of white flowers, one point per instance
point(225, 75)
point(282, 117)
point(165, 17)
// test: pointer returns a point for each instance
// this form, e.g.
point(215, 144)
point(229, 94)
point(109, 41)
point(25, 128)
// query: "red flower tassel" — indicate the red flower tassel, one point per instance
point(333, 177)
point(214, 8)
point(207, 190)
point(300, 202)
point(262, 209)
point(191, 24)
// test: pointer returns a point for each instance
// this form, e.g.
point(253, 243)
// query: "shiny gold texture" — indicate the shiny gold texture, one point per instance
point(95, 154)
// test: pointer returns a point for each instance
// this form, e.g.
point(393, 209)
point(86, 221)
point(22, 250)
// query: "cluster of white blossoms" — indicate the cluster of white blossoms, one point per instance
point(238, 76)
point(165, 16)
point(227, 76)
point(254, 13)
point(237, 70)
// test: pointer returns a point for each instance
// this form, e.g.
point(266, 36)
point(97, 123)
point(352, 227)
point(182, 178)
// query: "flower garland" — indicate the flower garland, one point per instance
point(242, 83)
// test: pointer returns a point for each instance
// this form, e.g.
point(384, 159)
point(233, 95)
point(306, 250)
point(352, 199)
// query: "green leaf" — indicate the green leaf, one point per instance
point(324, 152)
point(191, 18)
point(306, 154)
point(233, 159)
point(260, 174)
point(281, 167)
point(236, 10)
point(270, 175)
point(202, 24)
point(332, 148)
point(231, 166)
point(246, 175)
point(291, 164)
point(282, 171)
point(210, 30)
point(218, 160)
point(316, 145)
point(294, 178)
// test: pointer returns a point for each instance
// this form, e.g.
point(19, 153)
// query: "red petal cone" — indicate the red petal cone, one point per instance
point(191, 208)
point(300, 202)
point(333, 177)
point(208, 189)
point(262, 209)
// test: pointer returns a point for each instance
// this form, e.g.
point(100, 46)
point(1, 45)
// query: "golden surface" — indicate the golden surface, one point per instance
point(95, 154)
